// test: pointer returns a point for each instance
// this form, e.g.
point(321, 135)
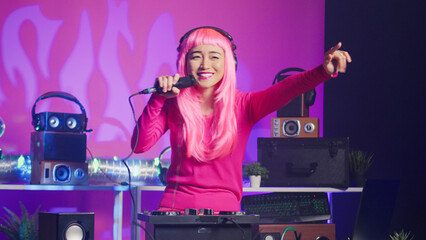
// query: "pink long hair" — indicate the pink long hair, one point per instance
point(224, 125)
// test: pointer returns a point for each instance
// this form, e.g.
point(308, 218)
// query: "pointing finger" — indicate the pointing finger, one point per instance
point(335, 48)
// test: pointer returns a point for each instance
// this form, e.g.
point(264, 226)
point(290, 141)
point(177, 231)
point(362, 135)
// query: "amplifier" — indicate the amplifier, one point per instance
point(305, 162)
point(307, 231)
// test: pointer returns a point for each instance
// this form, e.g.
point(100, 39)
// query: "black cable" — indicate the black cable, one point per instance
point(238, 226)
point(125, 163)
point(100, 169)
point(146, 231)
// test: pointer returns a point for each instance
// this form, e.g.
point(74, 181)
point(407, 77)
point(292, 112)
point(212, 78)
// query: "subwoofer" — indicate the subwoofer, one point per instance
point(66, 226)
point(303, 127)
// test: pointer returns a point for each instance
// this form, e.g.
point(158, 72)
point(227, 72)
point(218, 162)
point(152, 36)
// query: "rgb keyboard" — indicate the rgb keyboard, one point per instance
point(288, 207)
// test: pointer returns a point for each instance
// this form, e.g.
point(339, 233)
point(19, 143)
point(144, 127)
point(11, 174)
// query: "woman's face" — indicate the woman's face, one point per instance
point(207, 64)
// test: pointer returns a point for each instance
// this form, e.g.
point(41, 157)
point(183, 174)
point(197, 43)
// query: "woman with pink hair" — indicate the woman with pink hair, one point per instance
point(210, 123)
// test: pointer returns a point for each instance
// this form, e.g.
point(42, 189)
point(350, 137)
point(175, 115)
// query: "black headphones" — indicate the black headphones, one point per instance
point(219, 30)
point(74, 122)
point(309, 96)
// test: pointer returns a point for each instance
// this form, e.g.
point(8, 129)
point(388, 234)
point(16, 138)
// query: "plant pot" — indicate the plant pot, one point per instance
point(359, 178)
point(255, 181)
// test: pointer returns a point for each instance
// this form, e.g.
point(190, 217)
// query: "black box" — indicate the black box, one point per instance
point(305, 162)
point(59, 225)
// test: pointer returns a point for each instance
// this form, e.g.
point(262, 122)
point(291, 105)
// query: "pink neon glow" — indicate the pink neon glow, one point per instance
point(103, 51)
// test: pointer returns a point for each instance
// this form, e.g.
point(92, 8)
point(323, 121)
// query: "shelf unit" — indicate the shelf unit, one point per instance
point(137, 193)
point(118, 198)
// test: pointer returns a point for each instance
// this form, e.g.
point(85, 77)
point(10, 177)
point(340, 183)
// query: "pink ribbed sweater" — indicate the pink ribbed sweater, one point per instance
point(218, 184)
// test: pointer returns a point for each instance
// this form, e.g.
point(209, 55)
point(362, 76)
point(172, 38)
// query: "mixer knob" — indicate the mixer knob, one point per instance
point(206, 211)
point(191, 211)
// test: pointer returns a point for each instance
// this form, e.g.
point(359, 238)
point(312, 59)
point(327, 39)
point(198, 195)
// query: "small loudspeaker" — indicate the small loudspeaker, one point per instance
point(59, 173)
point(59, 122)
point(320, 231)
point(294, 127)
point(66, 226)
point(270, 236)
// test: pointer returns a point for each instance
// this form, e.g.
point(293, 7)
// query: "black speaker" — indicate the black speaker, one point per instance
point(56, 146)
point(59, 122)
point(66, 226)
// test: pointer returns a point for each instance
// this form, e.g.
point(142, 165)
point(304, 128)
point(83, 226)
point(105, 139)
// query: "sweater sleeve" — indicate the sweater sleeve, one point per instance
point(278, 95)
point(152, 124)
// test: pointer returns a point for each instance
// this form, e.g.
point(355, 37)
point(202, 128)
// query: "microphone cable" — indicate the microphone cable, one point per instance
point(134, 220)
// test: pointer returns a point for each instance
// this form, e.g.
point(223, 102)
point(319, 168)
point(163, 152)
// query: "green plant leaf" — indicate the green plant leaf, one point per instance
point(359, 161)
point(24, 228)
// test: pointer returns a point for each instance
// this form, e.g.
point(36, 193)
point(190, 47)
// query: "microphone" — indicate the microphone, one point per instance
point(183, 82)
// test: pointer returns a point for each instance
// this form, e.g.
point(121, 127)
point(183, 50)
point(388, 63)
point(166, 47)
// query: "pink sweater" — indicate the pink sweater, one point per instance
point(218, 184)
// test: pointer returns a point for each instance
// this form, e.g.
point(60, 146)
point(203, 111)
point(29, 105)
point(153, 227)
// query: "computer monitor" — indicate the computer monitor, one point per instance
point(376, 209)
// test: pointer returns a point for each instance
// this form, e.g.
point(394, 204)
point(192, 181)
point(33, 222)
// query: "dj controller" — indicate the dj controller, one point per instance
point(204, 216)
point(203, 224)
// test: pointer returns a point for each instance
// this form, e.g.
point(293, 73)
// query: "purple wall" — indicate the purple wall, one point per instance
point(102, 52)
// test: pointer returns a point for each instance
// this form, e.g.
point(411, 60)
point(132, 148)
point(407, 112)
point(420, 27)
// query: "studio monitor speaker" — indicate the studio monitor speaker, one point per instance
point(303, 127)
point(56, 146)
point(66, 226)
point(318, 231)
point(58, 158)
point(59, 173)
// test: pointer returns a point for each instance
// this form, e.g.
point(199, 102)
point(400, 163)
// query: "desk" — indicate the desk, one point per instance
point(118, 198)
point(135, 232)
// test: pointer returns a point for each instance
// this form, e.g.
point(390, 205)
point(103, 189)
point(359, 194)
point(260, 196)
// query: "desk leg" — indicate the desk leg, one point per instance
point(118, 215)
point(135, 230)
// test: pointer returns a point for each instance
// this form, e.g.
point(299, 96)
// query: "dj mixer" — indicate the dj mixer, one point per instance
point(201, 224)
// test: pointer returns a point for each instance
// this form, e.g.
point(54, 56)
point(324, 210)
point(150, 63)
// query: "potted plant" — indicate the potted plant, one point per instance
point(25, 228)
point(256, 172)
point(359, 162)
point(401, 236)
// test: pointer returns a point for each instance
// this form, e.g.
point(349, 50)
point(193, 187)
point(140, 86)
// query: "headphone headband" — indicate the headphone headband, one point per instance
point(309, 96)
point(291, 69)
point(219, 30)
point(63, 95)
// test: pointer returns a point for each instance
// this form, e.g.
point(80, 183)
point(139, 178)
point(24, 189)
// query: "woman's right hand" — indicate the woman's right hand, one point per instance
point(166, 83)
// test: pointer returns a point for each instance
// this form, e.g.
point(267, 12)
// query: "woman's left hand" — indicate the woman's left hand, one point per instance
point(336, 60)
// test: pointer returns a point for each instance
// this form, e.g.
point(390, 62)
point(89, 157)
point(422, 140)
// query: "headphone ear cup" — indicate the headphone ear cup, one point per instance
point(310, 97)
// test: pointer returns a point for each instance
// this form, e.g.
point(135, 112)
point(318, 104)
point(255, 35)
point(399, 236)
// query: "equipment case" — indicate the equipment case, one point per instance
point(305, 162)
